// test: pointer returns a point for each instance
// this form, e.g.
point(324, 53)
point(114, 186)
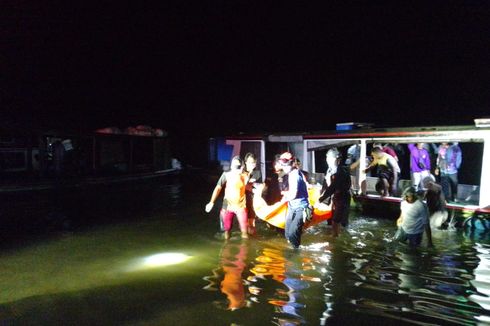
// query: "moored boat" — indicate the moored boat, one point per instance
point(57, 176)
point(47, 160)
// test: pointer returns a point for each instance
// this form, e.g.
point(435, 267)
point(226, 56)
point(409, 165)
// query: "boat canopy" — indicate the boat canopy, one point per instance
point(318, 145)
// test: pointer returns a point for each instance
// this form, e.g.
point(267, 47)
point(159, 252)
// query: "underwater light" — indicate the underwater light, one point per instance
point(157, 261)
point(165, 259)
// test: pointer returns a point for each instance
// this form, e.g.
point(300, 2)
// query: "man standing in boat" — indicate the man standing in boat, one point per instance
point(448, 163)
point(352, 161)
point(419, 164)
point(336, 189)
point(388, 171)
point(299, 210)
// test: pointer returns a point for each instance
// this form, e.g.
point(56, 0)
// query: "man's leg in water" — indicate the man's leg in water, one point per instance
point(294, 226)
point(242, 217)
point(340, 216)
point(228, 222)
point(221, 223)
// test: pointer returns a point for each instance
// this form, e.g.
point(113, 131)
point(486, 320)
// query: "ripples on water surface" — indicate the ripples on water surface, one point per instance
point(168, 267)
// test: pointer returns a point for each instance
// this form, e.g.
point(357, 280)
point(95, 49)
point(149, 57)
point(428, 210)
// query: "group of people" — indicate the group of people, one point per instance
point(384, 159)
point(293, 189)
point(238, 185)
point(423, 203)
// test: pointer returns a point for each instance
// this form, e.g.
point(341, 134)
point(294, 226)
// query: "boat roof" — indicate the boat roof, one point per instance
point(436, 133)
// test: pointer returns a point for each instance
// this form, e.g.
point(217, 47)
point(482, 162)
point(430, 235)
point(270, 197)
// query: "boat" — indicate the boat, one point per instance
point(473, 193)
point(31, 162)
point(59, 174)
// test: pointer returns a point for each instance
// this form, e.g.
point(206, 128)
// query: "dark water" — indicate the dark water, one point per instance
point(155, 259)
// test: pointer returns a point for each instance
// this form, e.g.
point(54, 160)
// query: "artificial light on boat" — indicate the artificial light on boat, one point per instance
point(482, 122)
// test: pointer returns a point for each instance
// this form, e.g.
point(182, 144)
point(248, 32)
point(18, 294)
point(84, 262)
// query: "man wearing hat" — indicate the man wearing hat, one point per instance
point(297, 198)
point(414, 219)
point(336, 188)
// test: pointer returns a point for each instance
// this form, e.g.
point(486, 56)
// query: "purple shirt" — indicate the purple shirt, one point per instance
point(418, 157)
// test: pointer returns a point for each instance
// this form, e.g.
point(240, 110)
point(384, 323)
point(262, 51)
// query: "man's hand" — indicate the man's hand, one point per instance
point(399, 221)
point(209, 207)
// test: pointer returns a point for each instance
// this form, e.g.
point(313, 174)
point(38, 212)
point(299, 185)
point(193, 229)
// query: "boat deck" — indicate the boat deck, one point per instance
point(463, 206)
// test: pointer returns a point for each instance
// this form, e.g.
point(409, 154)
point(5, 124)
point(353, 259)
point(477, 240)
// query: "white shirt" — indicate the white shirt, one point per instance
point(415, 216)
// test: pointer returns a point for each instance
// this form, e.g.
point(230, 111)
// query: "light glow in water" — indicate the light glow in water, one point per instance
point(165, 259)
point(159, 260)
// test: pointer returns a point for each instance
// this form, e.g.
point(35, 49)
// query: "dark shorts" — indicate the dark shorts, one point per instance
point(340, 213)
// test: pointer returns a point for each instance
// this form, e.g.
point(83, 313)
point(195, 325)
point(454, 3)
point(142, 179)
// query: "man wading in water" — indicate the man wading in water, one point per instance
point(413, 220)
point(299, 209)
point(336, 189)
point(234, 201)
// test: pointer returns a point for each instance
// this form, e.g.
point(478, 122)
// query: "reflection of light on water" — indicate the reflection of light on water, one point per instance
point(159, 260)
point(325, 259)
point(317, 246)
point(482, 279)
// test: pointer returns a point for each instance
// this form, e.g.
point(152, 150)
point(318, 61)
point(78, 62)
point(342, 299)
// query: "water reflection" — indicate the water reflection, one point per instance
point(362, 277)
point(285, 270)
point(283, 276)
point(429, 286)
point(228, 277)
point(481, 282)
point(233, 262)
point(362, 274)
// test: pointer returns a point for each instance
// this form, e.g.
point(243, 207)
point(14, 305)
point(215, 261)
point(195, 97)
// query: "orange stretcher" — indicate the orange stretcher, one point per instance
point(275, 214)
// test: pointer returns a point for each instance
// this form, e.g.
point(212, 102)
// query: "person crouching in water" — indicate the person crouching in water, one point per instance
point(234, 201)
point(413, 220)
point(436, 202)
point(336, 189)
point(296, 195)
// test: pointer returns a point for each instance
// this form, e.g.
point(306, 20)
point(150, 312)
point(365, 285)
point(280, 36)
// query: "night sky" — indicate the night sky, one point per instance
point(202, 69)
